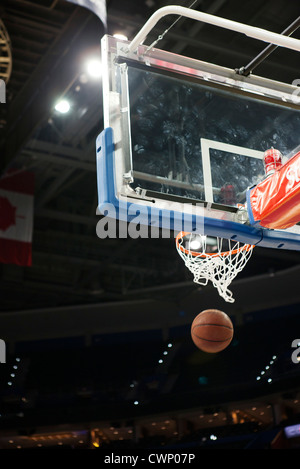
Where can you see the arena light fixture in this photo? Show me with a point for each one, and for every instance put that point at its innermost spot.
(94, 68)
(195, 243)
(62, 106)
(121, 36)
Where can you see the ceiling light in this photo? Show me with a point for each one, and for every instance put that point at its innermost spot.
(62, 106)
(195, 244)
(121, 36)
(94, 68)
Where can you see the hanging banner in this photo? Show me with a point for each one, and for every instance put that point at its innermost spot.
(96, 6)
(275, 202)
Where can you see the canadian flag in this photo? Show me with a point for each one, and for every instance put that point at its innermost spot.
(16, 217)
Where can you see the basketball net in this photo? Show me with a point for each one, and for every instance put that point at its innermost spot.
(220, 267)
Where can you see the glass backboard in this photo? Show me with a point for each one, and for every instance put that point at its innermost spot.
(187, 133)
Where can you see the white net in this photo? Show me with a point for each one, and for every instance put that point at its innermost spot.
(219, 267)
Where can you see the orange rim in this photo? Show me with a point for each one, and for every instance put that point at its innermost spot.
(182, 234)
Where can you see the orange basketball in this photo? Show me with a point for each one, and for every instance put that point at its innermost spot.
(212, 331)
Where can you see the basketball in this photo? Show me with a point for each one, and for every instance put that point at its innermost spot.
(212, 331)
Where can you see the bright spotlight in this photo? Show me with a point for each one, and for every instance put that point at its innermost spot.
(94, 68)
(62, 106)
(122, 37)
(195, 244)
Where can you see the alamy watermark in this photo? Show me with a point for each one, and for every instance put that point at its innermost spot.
(296, 353)
(2, 91)
(2, 351)
(130, 220)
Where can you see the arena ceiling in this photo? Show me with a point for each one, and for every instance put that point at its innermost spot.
(50, 42)
(72, 269)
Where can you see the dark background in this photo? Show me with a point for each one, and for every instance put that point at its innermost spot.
(88, 322)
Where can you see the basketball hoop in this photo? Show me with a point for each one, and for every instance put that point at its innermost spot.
(220, 266)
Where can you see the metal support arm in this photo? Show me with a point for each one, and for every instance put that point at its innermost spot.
(250, 31)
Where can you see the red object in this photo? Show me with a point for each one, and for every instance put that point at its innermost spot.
(275, 202)
(227, 194)
(16, 218)
(272, 161)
